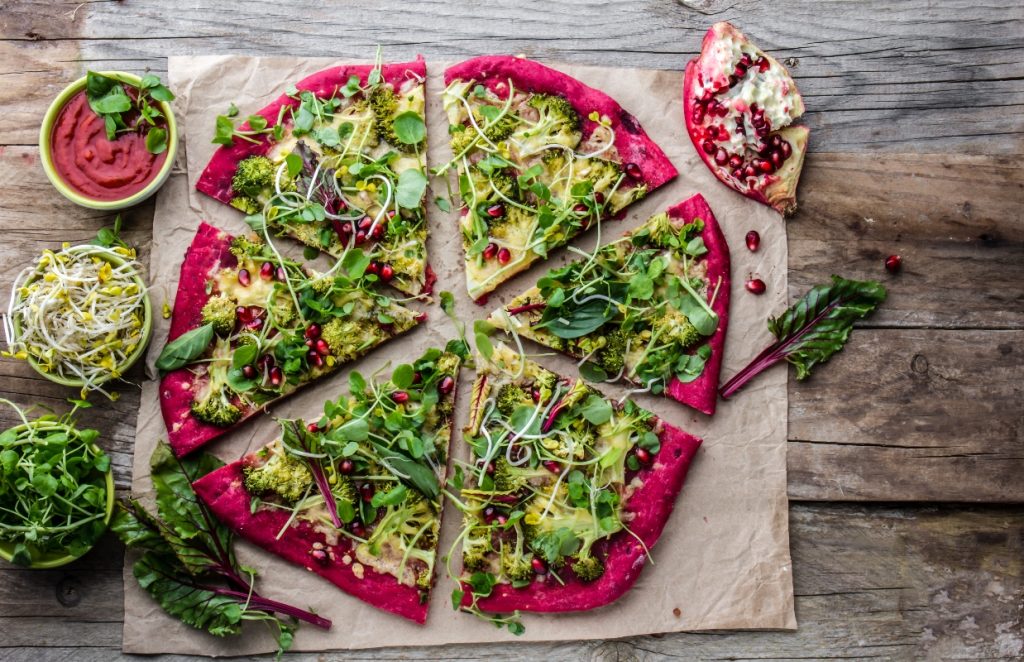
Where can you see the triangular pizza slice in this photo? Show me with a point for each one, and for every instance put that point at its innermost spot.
(338, 161)
(540, 157)
(249, 327)
(565, 493)
(379, 457)
(651, 308)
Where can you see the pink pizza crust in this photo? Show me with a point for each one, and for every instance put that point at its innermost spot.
(631, 141)
(216, 178)
(209, 252)
(702, 393)
(646, 512)
(224, 492)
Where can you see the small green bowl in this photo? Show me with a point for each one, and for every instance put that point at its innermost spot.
(133, 358)
(46, 130)
(56, 559)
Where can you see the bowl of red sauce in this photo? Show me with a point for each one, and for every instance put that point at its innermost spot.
(94, 170)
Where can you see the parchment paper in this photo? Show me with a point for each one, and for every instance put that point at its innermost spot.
(723, 561)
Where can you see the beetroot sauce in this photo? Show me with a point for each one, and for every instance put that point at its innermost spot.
(94, 166)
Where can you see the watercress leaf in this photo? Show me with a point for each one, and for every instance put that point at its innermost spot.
(402, 376)
(244, 355)
(351, 87)
(224, 131)
(356, 383)
(457, 595)
(443, 204)
(185, 348)
(597, 410)
(641, 287)
(293, 164)
(409, 128)
(355, 430)
(592, 372)
(156, 141)
(482, 583)
(392, 497)
(328, 136)
(695, 247)
(309, 253)
(412, 184)
(114, 101)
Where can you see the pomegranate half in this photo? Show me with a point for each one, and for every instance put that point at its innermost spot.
(739, 104)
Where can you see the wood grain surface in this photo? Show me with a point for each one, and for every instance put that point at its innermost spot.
(917, 117)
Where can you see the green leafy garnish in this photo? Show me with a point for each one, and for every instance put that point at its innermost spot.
(121, 113)
(813, 329)
(226, 132)
(185, 348)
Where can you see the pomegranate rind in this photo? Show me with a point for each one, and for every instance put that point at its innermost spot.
(702, 393)
(215, 180)
(778, 189)
(223, 491)
(647, 510)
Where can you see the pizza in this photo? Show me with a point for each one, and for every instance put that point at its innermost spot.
(338, 161)
(379, 456)
(565, 493)
(540, 157)
(249, 327)
(650, 308)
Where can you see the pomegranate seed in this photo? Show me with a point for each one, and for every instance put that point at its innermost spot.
(643, 456)
(256, 324)
(893, 264)
(777, 159)
(708, 145)
(313, 427)
(633, 170)
(315, 359)
(733, 79)
(365, 222)
(755, 286)
(282, 274)
(496, 211)
(243, 277)
(535, 394)
(322, 347)
(312, 331)
(740, 71)
(579, 208)
(766, 166)
(346, 228)
(248, 371)
(490, 251)
(552, 466)
(753, 241)
(366, 492)
(735, 161)
(786, 148)
(502, 520)
(762, 130)
(421, 317)
(400, 397)
(538, 565)
(776, 140)
(267, 271)
(378, 231)
(373, 267)
(417, 377)
(740, 129)
(737, 173)
(721, 157)
(346, 467)
(276, 376)
(446, 385)
(750, 171)
(762, 64)
(504, 255)
(243, 315)
(310, 342)
(357, 528)
(360, 237)
(723, 133)
(490, 512)
(746, 60)
(266, 361)
(697, 114)
(490, 469)
(599, 198)
(387, 272)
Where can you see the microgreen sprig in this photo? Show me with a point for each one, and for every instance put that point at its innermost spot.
(124, 113)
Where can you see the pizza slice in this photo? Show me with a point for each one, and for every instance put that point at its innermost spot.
(651, 308)
(565, 493)
(338, 161)
(540, 157)
(379, 457)
(249, 328)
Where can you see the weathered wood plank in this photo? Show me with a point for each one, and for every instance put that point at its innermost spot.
(915, 415)
(902, 583)
(913, 76)
(956, 220)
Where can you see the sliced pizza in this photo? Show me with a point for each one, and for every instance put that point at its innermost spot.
(651, 308)
(354, 497)
(540, 157)
(565, 494)
(249, 327)
(337, 161)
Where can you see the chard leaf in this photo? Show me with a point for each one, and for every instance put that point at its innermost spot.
(814, 328)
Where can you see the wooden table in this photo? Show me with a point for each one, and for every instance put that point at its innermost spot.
(906, 457)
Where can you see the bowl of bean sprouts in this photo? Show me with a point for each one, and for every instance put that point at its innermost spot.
(81, 316)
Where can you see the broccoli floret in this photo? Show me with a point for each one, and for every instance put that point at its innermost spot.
(512, 479)
(659, 231)
(516, 568)
(246, 246)
(253, 177)
(245, 204)
(344, 336)
(213, 404)
(384, 103)
(558, 123)
(286, 476)
(220, 312)
(511, 397)
(602, 174)
(676, 327)
(587, 568)
(612, 356)
(545, 381)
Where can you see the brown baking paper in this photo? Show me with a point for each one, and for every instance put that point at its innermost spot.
(723, 561)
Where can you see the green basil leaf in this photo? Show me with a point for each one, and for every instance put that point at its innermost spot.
(156, 141)
(185, 348)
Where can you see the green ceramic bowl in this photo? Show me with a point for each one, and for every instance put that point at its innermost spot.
(147, 329)
(74, 195)
(57, 559)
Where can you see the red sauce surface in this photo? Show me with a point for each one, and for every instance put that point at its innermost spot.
(94, 166)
